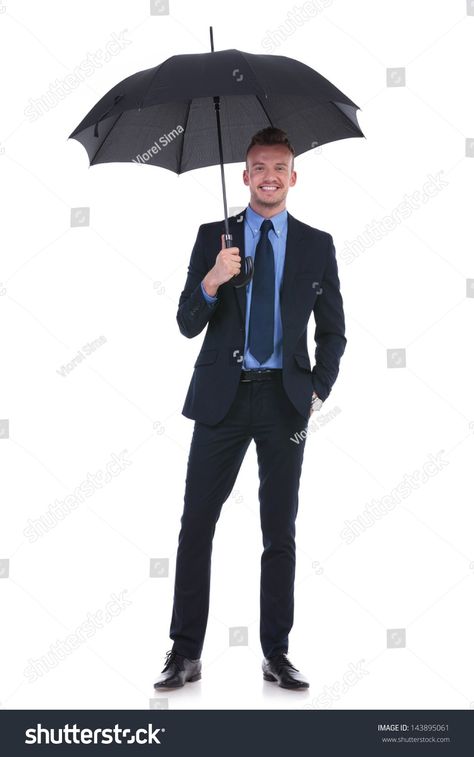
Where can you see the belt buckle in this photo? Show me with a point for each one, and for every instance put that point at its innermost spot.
(262, 374)
(258, 374)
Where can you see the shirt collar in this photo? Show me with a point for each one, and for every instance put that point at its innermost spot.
(254, 221)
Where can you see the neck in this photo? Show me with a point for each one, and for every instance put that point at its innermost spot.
(266, 212)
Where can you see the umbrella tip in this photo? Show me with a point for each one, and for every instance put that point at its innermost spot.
(211, 34)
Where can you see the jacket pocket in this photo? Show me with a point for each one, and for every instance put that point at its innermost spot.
(206, 357)
(303, 361)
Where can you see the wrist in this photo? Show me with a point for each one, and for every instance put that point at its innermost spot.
(210, 284)
(316, 402)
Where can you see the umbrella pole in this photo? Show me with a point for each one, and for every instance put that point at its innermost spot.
(227, 235)
(245, 275)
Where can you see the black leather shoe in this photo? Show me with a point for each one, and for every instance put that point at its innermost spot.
(279, 668)
(177, 671)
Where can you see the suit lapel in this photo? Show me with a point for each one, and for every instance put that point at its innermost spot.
(292, 264)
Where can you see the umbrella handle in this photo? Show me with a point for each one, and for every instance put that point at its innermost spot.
(244, 276)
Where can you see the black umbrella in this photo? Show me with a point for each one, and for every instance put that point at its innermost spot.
(167, 115)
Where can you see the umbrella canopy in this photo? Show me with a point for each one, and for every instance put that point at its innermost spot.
(165, 116)
(201, 109)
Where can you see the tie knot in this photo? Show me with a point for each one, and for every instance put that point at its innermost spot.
(266, 226)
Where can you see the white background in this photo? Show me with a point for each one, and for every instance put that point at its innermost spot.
(410, 569)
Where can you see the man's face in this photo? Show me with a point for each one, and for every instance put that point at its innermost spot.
(269, 176)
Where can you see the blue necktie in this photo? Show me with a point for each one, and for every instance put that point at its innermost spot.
(262, 306)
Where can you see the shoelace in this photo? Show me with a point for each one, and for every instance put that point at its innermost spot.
(173, 657)
(281, 661)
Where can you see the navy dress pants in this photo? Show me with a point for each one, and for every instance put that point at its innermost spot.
(260, 411)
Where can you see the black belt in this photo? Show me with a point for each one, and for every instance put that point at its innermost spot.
(261, 374)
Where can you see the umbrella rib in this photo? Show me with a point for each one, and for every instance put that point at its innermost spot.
(244, 56)
(106, 136)
(354, 126)
(264, 110)
(184, 137)
(142, 99)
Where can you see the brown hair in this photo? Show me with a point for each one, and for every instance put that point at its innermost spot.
(271, 136)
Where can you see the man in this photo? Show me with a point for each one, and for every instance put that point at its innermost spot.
(253, 380)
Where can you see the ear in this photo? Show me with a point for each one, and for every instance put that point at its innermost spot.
(245, 177)
(293, 178)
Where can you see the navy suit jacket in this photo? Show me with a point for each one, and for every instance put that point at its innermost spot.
(310, 284)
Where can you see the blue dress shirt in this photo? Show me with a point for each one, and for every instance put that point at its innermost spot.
(277, 237)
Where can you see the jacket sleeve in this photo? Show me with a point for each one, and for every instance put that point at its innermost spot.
(330, 328)
(194, 311)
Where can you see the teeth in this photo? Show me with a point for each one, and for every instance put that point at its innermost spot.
(269, 188)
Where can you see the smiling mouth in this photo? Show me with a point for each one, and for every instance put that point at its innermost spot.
(268, 187)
